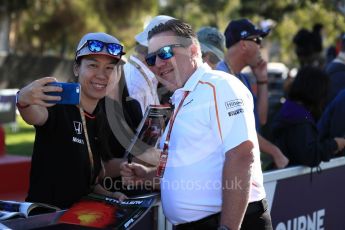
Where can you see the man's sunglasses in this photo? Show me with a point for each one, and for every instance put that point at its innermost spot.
(257, 40)
(96, 46)
(163, 53)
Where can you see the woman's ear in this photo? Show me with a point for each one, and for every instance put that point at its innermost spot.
(76, 69)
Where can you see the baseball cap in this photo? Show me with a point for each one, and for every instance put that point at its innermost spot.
(83, 50)
(141, 38)
(241, 29)
(211, 40)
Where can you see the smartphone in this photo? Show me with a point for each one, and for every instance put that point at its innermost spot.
(70, 94)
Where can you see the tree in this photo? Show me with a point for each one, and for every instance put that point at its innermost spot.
(125, 18)
(217, 9)
(8, 8)
(55, 26)
(200, 13)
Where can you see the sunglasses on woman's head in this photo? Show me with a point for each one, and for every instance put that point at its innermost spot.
(163, 53)
(257, 40)
(96, 46)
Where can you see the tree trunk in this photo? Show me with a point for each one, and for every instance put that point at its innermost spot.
(4, 31)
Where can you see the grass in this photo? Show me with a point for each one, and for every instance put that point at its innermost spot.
(19, 140)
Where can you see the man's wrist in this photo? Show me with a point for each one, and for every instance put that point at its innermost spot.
(263, 82)
(20, 106)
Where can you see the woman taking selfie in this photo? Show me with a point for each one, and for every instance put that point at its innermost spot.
(68, 153)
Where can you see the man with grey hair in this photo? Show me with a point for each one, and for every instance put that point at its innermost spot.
(209, 171)
(141, 82)
(212, 45)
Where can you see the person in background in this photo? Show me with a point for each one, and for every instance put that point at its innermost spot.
(211, 107)
(308, 46)
(141, 82)
(317, 33)
(294, 128)
(69, 149)
(336, 73)
(243, 43)
(331, 123)
(212, 43)
(333, 50)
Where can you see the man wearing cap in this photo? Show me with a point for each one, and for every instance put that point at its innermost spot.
(243, 41)
(141, 82)
(70, 141)
(212, 45)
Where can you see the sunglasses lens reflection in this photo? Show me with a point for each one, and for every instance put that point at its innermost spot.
(95, 46)
(163, 53)
(114, 49)
(257, 40)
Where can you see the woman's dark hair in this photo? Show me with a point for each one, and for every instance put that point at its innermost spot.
(104, 131)
(182, 30)
(76, 62)
(126, 114)
(310, 87)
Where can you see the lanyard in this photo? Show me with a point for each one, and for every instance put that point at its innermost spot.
(87, 143)
(89, 147)
(164, 153)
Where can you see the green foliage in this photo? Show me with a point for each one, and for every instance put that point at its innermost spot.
(55, 26)
(200, 13)
(20, 141)
(306, 17)
(124, 18)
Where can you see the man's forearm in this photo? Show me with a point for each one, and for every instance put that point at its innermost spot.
(262, 97)
(266, 146)
(236, 185)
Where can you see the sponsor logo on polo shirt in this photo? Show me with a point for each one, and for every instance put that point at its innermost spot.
(235, 112)
(233, 103)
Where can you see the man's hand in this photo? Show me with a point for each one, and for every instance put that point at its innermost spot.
(117, 195)
(280, 160)
(133, 174)
(267, 147)
(340, 143)
(260, 71)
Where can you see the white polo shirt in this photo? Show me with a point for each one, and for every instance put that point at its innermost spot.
(215, 117)
(142, 88)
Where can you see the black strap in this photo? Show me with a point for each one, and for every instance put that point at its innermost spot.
(256, 207)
